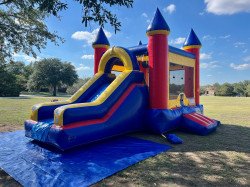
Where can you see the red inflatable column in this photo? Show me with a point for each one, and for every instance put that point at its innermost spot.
(193, 45)
(158, 71)
(100, 45)
(157, 33)
(99, 50)
(196, 51)
(189, 82)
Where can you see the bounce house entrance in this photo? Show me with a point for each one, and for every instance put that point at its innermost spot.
(181, 85)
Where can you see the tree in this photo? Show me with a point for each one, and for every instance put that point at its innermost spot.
(8, 84)
(51, 72)
(226, 89)
(216, 88)
(248, 90)
(21, 72)
(203, 90)
(75, 87)
(23, 28)
(239, 89)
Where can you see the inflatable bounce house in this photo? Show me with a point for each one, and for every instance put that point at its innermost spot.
(150, 87)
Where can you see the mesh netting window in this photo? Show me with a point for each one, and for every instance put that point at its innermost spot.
(181, 80)
(176, 83)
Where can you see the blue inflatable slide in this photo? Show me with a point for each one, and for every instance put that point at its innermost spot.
(105, 106)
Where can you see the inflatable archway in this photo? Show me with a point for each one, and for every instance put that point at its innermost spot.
(128, 60)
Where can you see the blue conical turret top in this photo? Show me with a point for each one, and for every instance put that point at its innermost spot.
(192, 40)
(101, 38)
(158, 23)
(140, 43)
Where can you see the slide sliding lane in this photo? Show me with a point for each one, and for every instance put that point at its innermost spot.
(119, 109)
(86, 93)
(68, 114)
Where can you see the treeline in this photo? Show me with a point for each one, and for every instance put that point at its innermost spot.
(241, 89)
(46, 75)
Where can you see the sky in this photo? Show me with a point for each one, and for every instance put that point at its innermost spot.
(223, 27)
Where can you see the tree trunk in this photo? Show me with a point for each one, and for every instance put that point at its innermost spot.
(54, 90)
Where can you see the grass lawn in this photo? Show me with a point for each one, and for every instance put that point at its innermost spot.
(14, 110)
(220, 159)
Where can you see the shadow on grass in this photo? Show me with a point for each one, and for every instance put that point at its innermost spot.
(226, 138)
(219, 159)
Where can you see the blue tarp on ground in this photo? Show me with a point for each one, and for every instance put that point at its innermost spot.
(32, 165)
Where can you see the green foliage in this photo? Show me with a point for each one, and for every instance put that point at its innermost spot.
(202, 90)
(75, 87)
(95, 10)
(9, 86)
(23, 28)
(51, 72)
(248, 90)
(226, 89)
(235, 89)
(175, 90)
(21, 72)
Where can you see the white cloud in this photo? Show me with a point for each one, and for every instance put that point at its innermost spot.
(148, 21)
(205, 56)
(225, 37)
(227, 7)
(144, 15)
(209, 75)
(88, 37)
(204, 65)
(177, 41)
(247, 59)
(201, 13)
(210, 65)
(240, 66)
(208, 37)
(26, 57)
(245, 50)
(170, 8)
(239, 44)
(83, 68)
(88, 57)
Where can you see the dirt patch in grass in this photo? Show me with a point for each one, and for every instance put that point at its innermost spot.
(10, 127)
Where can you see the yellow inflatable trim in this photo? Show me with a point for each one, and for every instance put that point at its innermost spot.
(117, 53)
(173, 103)
(150, 33)
(35, 108)
(58, 114)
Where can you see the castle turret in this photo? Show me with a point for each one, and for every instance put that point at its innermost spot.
(193, 45)
(157, 33)
(100, 45)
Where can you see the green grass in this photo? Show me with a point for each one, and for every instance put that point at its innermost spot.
(229, 110)
(220, 159)
(15, 110)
